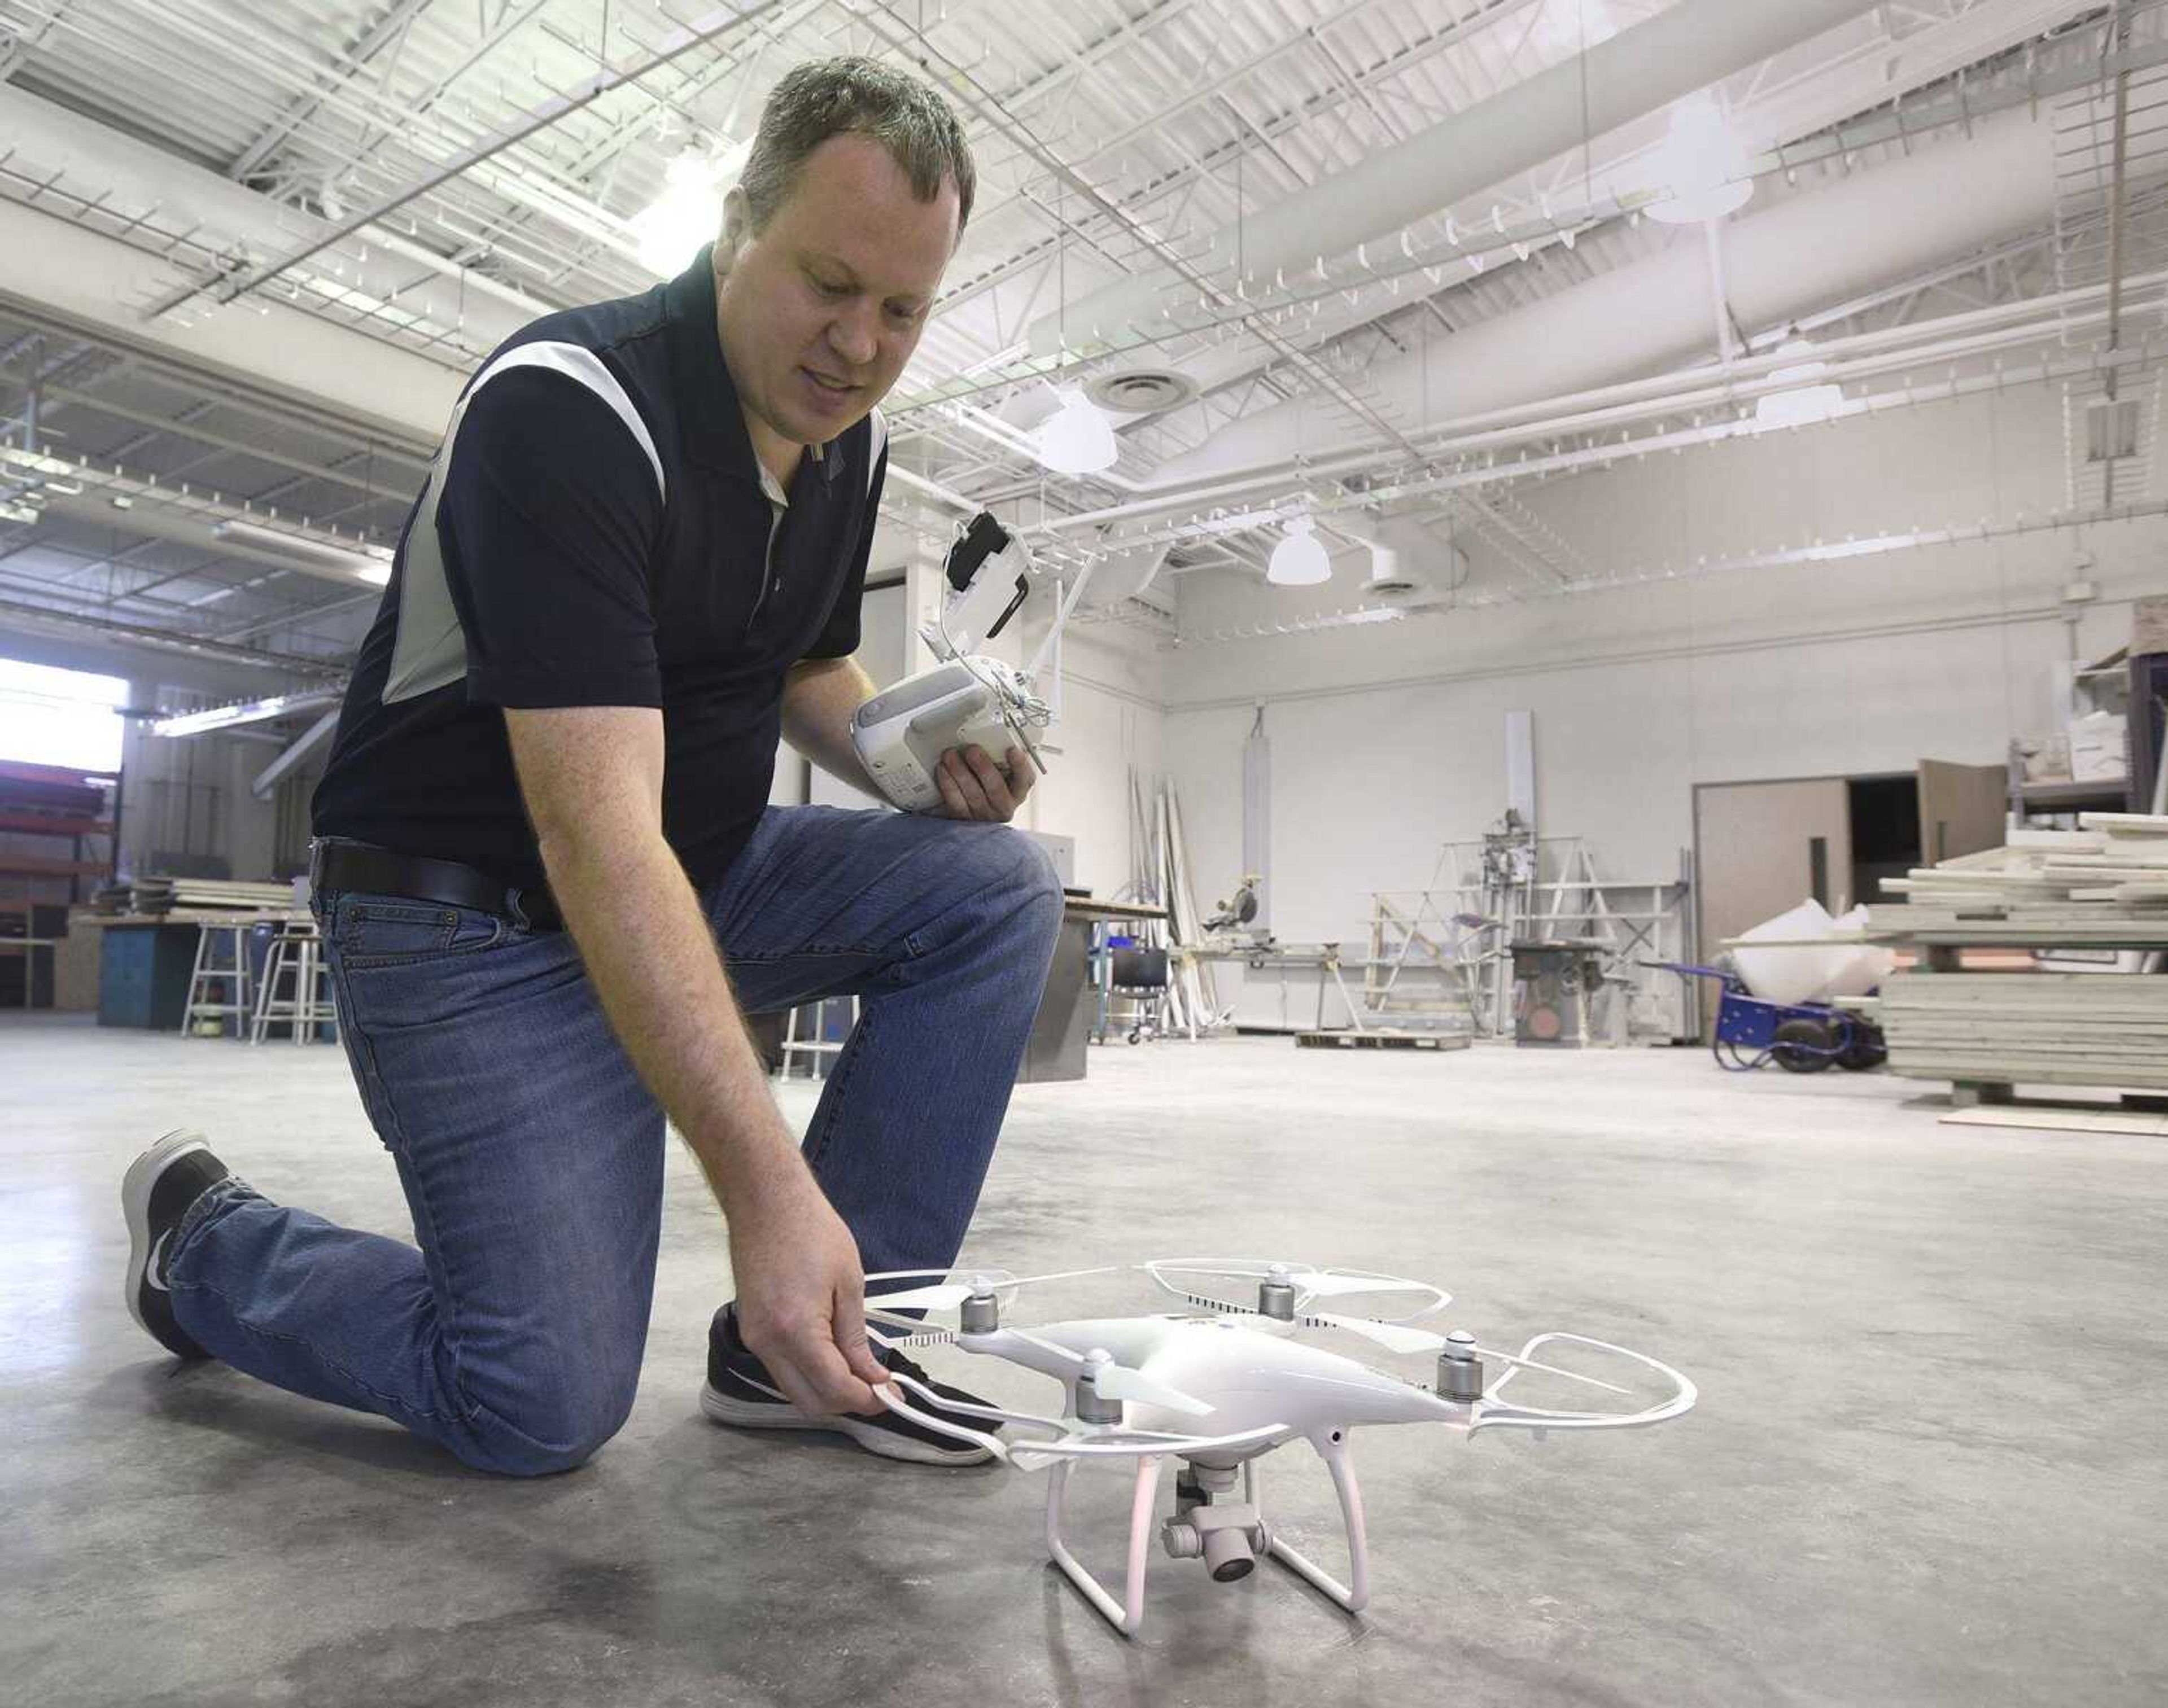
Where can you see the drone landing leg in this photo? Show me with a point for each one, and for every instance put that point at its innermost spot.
(1127, 1615)
(1355, 1594)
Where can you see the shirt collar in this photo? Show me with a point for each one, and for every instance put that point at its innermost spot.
(707, 398)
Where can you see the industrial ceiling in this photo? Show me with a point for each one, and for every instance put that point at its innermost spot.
(1391, 267)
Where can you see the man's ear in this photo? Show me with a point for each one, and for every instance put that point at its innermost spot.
(737, 229)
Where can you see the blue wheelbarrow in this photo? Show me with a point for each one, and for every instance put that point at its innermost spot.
(1801, 1037)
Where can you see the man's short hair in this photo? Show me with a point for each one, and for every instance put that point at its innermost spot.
(854, 96)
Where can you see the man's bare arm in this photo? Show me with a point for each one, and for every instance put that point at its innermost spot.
(593, 780)
(819, 696)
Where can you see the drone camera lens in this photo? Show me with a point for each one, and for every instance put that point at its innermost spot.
(1227, 1554)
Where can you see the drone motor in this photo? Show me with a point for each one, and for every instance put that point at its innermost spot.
(1093, 1407)
(981, 1310)
(1460, 1370)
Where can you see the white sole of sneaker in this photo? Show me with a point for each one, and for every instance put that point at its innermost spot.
(745, 1414)
(136, 1188)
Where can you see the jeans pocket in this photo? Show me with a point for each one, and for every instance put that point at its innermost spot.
(369, 932)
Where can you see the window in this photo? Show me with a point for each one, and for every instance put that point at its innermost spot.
(60, 717)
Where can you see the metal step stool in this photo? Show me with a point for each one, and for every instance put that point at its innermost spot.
(815, 1047)
(219, 985)
(297, 953)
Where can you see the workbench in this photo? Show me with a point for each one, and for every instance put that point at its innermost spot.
(1060, 1031)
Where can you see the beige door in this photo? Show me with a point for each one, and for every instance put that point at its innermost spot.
(1963, 809)
(1762, 848)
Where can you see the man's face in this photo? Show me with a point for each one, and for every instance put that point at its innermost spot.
(821, 310)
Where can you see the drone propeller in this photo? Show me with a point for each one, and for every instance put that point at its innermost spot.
(946, 1296)
(1115, 1380)
(1284, 1288)
(1332, 1283)
(1398, 1337)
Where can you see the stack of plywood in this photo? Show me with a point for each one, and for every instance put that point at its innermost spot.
(2103, 886)
(2027, 1028)
(162, 895)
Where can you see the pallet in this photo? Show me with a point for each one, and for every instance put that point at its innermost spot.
(1375, 1039)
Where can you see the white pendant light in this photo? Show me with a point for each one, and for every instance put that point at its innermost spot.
(1299, 559)
(1702, 165)
(1803, 404)
(1077, 438)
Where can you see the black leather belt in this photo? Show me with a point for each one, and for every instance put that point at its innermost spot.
(343, 866)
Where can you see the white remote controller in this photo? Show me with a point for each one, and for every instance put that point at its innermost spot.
(901, 734)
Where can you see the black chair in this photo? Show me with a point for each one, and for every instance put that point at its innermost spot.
(1140, 975)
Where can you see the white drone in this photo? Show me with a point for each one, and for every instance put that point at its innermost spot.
(1218, 1391)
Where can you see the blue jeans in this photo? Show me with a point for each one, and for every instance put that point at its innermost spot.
(532, 1154)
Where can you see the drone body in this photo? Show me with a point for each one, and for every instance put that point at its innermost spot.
(1250, 1378)
(1217, 1391)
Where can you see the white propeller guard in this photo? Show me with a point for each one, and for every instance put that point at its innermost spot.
(1490, 1413)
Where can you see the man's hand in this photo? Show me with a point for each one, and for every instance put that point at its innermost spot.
(802, 1295)
(973, 786)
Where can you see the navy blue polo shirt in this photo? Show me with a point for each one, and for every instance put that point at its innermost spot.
(602, 536)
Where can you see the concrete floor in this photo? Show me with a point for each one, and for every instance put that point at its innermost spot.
(1928, 1466)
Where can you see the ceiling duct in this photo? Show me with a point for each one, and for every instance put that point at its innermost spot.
(132, 178)
(1825, 244)
(1636, 73)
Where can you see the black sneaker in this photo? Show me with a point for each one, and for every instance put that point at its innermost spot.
(740, 1391)
(156, 1191)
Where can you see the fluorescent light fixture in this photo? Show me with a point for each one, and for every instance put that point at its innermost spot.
(1804, 403)
(1299, 559)
(253, 712)
(1077, 438)
(304, 551)
(1702, 164)
(689, 212)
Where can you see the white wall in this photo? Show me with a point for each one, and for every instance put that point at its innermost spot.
(1388, 739)
(1111, 726)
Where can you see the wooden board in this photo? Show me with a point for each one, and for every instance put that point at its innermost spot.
(2061, 1117)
